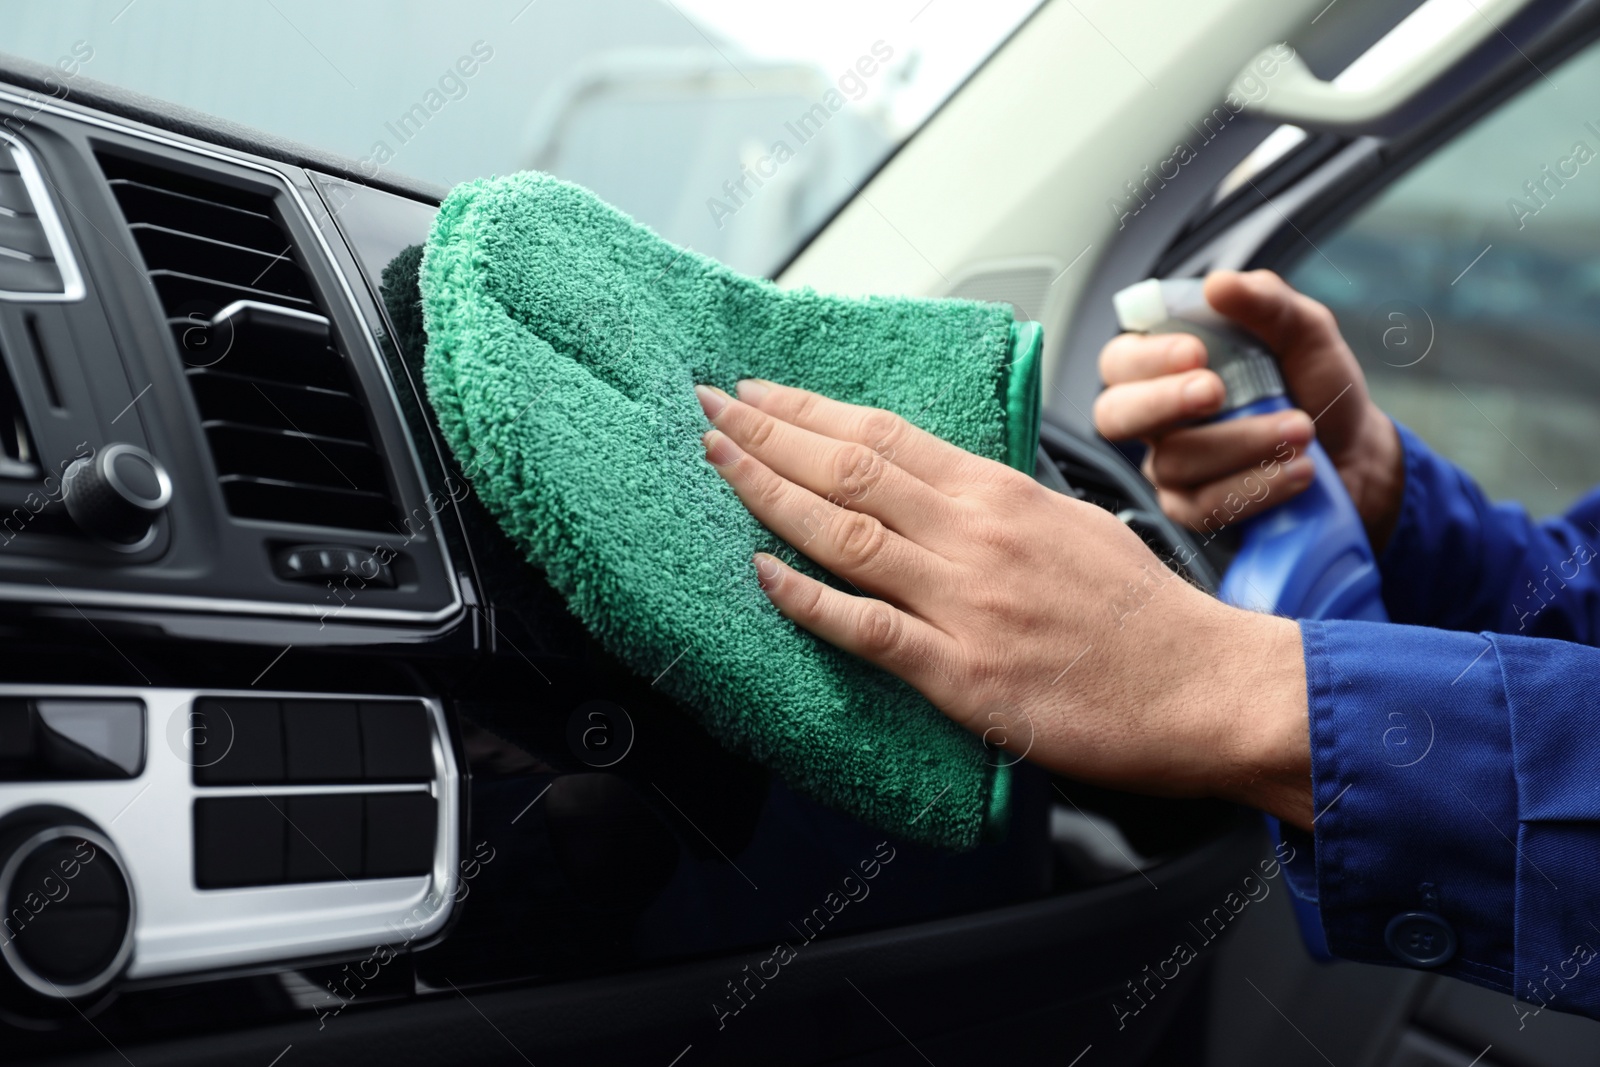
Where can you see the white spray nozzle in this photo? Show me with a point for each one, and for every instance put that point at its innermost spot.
(1143, 306)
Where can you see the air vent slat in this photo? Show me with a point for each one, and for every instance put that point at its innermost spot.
(194, 294)
(222, 261)
(232, 375)
(293, 456)
(288, 430)
(257, 352)
(178, 211)
(264, 498)
(259, 402)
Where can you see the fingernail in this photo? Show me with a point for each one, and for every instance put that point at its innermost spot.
(1200, 392)
(752, 390)
(768, 571)
(1295, 428)
(712, 400)
(720, 451)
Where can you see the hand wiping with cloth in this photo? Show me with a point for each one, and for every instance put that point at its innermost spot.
(1008, 605)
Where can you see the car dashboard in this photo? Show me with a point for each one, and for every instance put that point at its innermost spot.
(297, 750)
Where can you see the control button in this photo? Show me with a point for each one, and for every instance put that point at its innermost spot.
(69, 911)
(396, 743)
(333, 563)
(400, 833)
(1420, 938)
(108, 735)
(116, 495)
(322, 740)
(238, 841)
(324, 838)
(236, 742)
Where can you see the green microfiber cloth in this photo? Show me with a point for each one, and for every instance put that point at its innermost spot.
(564, 342)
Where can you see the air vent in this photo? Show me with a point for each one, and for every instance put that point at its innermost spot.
(1024, 284)
(288, 432)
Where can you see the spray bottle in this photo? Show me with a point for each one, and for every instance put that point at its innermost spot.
(1307, 558)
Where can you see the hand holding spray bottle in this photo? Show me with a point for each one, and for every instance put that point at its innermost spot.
(1307, 558)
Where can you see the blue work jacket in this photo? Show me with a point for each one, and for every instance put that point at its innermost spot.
(1455, 752)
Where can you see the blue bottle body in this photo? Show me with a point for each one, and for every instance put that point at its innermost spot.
(1306, 558)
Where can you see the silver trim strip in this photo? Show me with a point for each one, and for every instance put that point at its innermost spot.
(358, 788)
(276, 309)
(181, 929)
(55, 234)
(31, 593)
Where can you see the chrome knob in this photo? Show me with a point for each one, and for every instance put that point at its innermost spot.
(116, 495)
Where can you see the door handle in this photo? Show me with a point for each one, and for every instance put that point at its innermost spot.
(1399, 67)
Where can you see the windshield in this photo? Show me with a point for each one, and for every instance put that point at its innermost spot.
(731, 127)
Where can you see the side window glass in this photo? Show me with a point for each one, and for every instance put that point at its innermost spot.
(1470, 290)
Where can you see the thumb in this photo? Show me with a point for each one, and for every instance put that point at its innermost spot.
(1318, 366)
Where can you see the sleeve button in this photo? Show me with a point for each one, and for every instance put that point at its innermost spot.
(1420, 938)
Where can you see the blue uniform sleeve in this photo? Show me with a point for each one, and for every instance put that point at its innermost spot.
(1457, 806)
(1459, 562)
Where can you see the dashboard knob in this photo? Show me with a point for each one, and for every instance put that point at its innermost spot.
(69, 910)
(116, 495)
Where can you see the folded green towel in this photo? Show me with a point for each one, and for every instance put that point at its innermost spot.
(564, 342)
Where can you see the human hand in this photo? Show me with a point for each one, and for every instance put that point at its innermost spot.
(1038, 621)
(1157, 385)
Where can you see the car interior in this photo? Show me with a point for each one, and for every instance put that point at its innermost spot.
(338, 776)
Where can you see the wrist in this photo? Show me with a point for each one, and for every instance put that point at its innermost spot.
(1380, 478)
(1263, 752)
